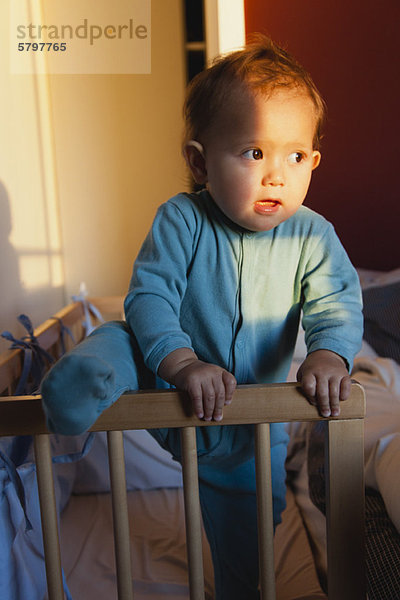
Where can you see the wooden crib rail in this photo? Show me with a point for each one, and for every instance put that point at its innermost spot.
(48, 336)
(270, 403)
(258, 404)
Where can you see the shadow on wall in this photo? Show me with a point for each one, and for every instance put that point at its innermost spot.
(38, 303)
(10, 285)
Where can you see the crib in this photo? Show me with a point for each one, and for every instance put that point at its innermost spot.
(255, 404)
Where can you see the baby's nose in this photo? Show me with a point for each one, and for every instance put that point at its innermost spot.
(273, 174)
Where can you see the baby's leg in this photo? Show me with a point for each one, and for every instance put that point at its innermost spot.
(89, 378)
(229, 508)
(228, 500)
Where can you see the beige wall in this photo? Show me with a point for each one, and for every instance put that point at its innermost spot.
(84, 162)
(31, 270)
(118, 157)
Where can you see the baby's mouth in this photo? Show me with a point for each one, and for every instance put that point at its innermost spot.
(270, 202)
(266, 206)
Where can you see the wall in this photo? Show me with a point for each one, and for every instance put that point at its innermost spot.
(118, 156)
(351, 50)
(84, 162)
(31, 266)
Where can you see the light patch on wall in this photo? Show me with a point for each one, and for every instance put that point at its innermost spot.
(56, 271)
(35, 233)
(225, 26)
(40, 271)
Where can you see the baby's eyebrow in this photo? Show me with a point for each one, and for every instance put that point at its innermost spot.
(248, 143)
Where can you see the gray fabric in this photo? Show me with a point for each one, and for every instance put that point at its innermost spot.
(382, 319)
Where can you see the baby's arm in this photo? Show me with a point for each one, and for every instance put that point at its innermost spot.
(209, 387)
(325, 381)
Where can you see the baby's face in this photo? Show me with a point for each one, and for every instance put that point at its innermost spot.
(259, 157)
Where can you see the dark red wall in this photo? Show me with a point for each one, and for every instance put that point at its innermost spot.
(352, 49)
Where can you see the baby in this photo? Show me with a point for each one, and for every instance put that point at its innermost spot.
(222, 280)
(237, 262)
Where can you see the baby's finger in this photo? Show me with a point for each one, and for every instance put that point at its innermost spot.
(196, 395)
(209, 397)
(219, 402)
(345, 386)
(309, 385)
(230, 386)
(334, 387)
(322, 395)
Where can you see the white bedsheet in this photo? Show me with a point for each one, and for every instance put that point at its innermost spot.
(382, 473)
(157, 546)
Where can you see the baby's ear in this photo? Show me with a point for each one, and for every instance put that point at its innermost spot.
(194, 155)
(316, 157)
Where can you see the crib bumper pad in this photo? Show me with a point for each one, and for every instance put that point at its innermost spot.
(89, 378)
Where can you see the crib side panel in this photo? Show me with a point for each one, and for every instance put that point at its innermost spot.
(51, 337)
(256, 404)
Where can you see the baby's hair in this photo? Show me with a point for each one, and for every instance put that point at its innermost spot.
(261, 67)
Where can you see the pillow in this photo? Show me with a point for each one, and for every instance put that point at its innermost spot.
(382, 319)
(381, 472)
(370, 278)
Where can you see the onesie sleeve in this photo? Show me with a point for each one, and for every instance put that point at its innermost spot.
(158, 285)
(332, 304)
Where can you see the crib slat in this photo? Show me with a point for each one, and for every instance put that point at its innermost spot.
(192, 512)
(120, 514)
(345, 510)
(264, 511)
(48, 513)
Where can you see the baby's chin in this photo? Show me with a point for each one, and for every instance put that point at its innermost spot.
(259, 221)
(258, 224)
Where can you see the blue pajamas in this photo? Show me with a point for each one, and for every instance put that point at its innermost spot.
(229, 508)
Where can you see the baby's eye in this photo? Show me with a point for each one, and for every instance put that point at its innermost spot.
(253, 154)
(296, 157)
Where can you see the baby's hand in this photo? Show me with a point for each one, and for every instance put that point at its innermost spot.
(209, 387)
(325, 381)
